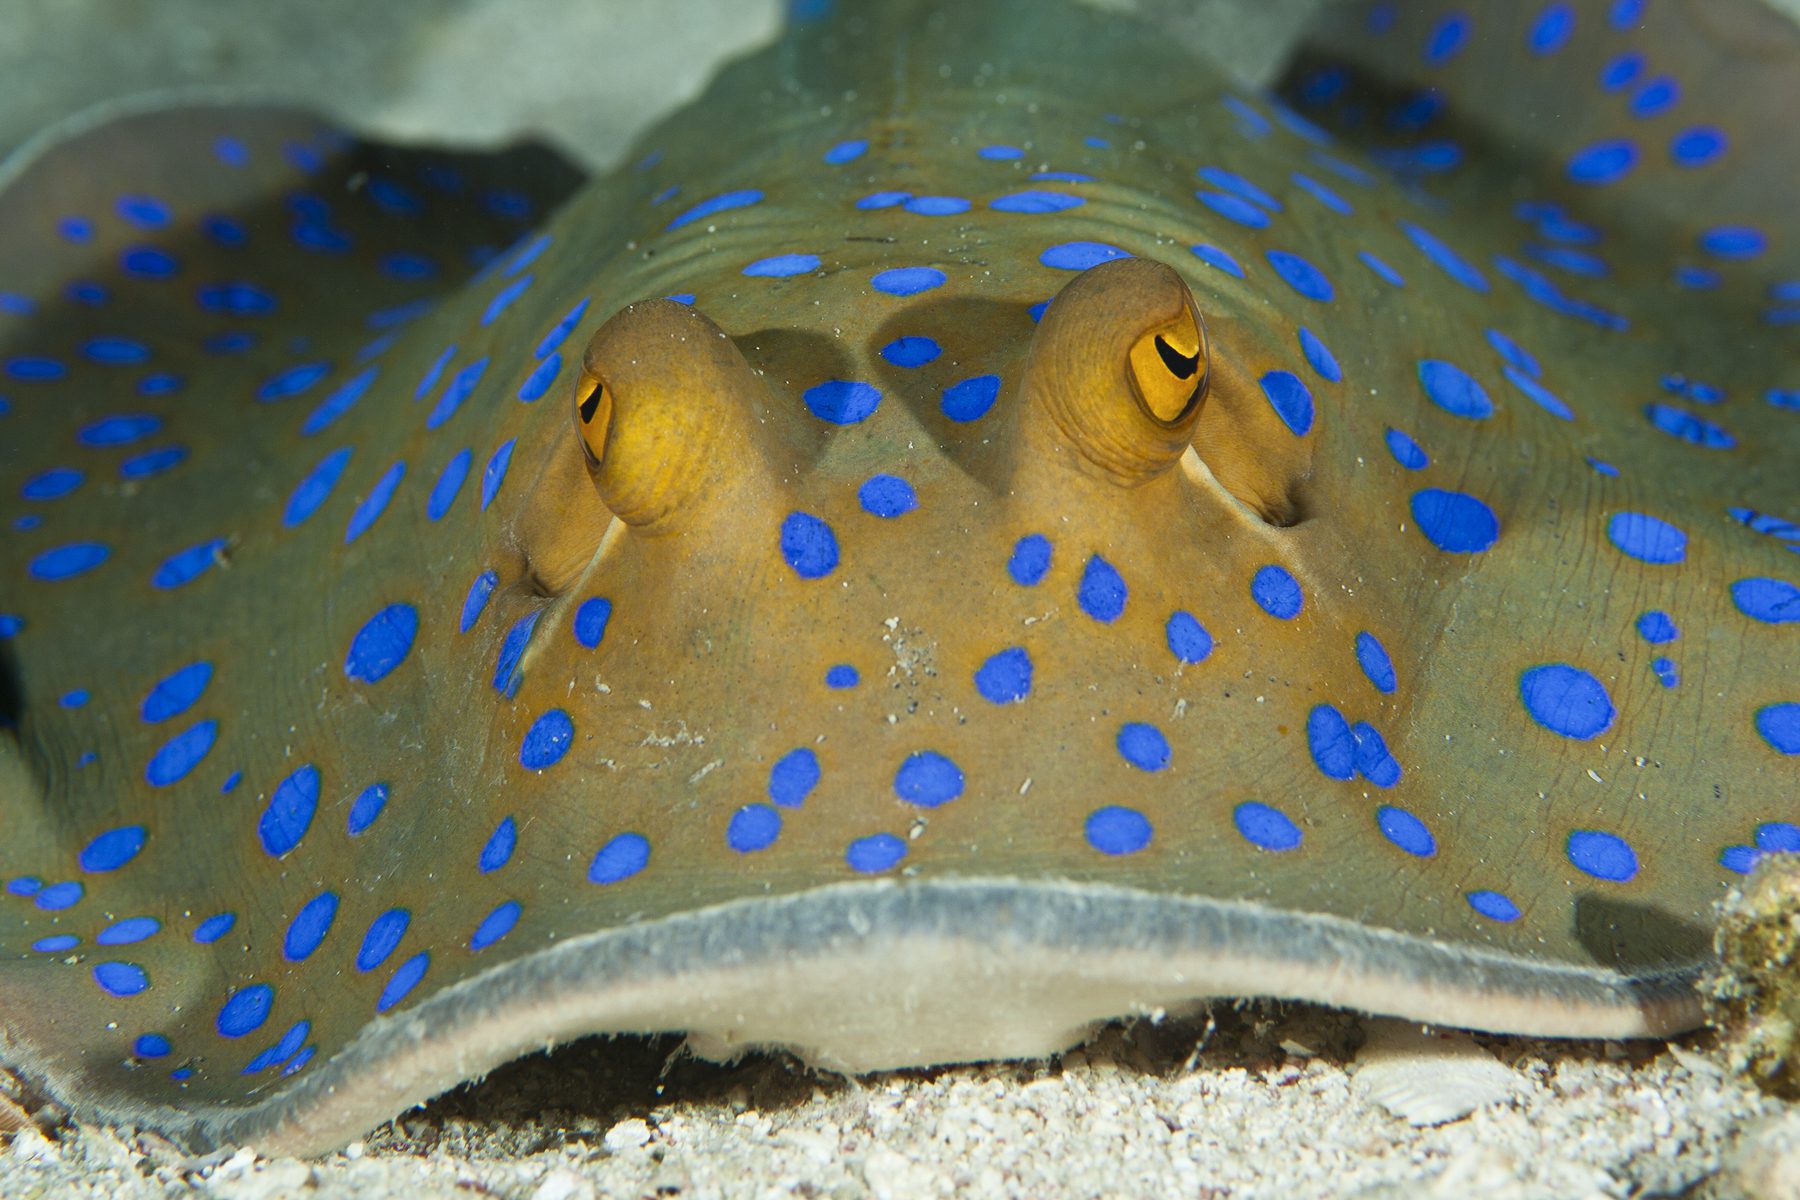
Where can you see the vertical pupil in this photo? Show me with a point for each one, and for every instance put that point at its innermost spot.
(1180, 365)
(591, 405)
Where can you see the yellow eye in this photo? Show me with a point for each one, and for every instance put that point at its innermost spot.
(593, 413)
(1168, 367)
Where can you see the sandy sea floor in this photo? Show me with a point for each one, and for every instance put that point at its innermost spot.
(1255, 1101)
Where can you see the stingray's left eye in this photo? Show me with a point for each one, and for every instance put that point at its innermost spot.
(593, 413)
(1168, 368)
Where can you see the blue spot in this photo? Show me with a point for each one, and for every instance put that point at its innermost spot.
(120, 430)
(1321, 359)
(1656, 628)
(1626, 13)
(289, 812)
(887, 496)
(309, 926)
(1772, 601)
(499, 848)
(547, 740)
(1455, 522)
(292, 381)
(512, 649)
(1603, 162)
(540, 379)
(907, 281)
(1666, 673)
(1212, 256)
(408, 266)
(1405, 831)
(1446, 259)
(875, 200)
(1101, 593)
(1300, 275)
(151, 1045)
(781, 266)
(1330, 742)
(455, 392)
(1656, 97)
(1549, 401)
(621, 858)
(842, 675)
(339, 402)
(1406, 452)
(1239, 186)
(1115, 829)
(842, 401)
(374, 504)
(1005, 677)
(1646, 538)
(793, 777)
(449, 483)
(1733, 241)
(383, 938)
(1454, 390)
(1566, 700)
(528, 254)
(717, 204)
(235, 299)
(1234, 208)
(937, 206)
(1382, 271)
(113, 849)
(1265, 827)
(382, 643)
(152, 462)
(10, 625)
(56, 943)
(1143, 746)
(1374, 762)
(115, 351)
(753, 827)
(75, 229)
(591, 619)
(1446, 40)
(969, 399)
(159, 385)
(1034, 201)
(146, 212)
(808, 545)
(1276, 592)
(496, 925)
(404, 980)
(1188, 640)
(1602, 855)
(495, 473)
(1493, 905)
(1778, 837)
(74, 699)
(1290, 399)
(245, 1010)
(1372, 656)
(187, 565)
(66, 562)
(59, 896)
(181, 754)
(433, 372)
(35, 369)
(1552, 28)
(174, 693)
(214, 928)
(928, 779)
(874, 854)
(1079, 256)
(316, 487)
(910, 351)
(121, 978)
(1697, 146)
(1688, 427)
(1779, 725)
(556, 336)
(52, 484)
(365, 808)
(1030, 560)
(1322, 194)
(845, 152)
(1000, 153)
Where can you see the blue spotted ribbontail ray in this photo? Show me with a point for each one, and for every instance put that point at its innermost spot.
(980, 528)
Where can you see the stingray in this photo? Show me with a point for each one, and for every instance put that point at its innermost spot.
(978, 529)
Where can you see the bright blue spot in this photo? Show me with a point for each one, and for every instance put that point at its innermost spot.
(1276, 592)
(1382, 271)
(1656, 628)
(969, 399)
(403, 981)
(1657, 96)
(753, 827)
(1552, 29)
(1373, 760)
(245, 1010)
(1626, 13)
(366, 807)
(842, 401)
(1291, 400)
(873, 854)
(547, 740)
(1033, 201)
(1447, 39)
(113, 849)
(1773, 601)
(1666, 673)
(433, 372)
(793, 776)
(1697, 146)
(496, 925)
(907, 281)
(1322, 194)
(152, 462)
(781, 266)
(717, 204)
(842, 675)
(1493, 905)
(1101, 593)
(115, 351)
(928, 779)
(1005, 677)
(1566, 700)
(1446, 259)
(1646, 538)
(455, 392)
(1778, 837)
(309, 926)
(1079, 256)
(1406, 452)
(1603, 468)
(59, 896)
(120, 978)
(383, 937)
(1143, 746)
(1030, 560)
(808, 545)
(449, 482)
(887, 496)
(77, 698)
(1234, 208)
(845, 152)
(1320, 358)
(151, 1045)
(374, 504)
(174, 693)
(339, 402)
(1514, 354)
(1602, 855)
(53, 484)
(1733, 241)
(591, 619)
(937, 206)
(911, 351)
(540, 379)
(1455, 522)
(495, 473)
(1115, 829)
(146, 212)
(1212, 256)
(1603, 162)
(186, 565)
(556, 336)
(181, 754)
(1454, 390)
(292, 381)
(56, 943)
(382, 643)
(499, 848)
(235, 299)
(1000, 153)
(289, 812)
(1187, 639)
(1300, 275)
(214, 927)
(1265, 827)
(35, 369)
(1329, 740)
(1689, 428)
(512, 649)
(527, 254)
(120, 430)
(621, 858)
(1779, 725)
(316, 487)
(1405, 831)
(875, 200)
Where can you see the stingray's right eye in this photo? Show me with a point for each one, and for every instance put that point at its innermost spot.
(593, 413)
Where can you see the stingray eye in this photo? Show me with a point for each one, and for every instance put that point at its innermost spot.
(593, 413)
(1168, 368)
